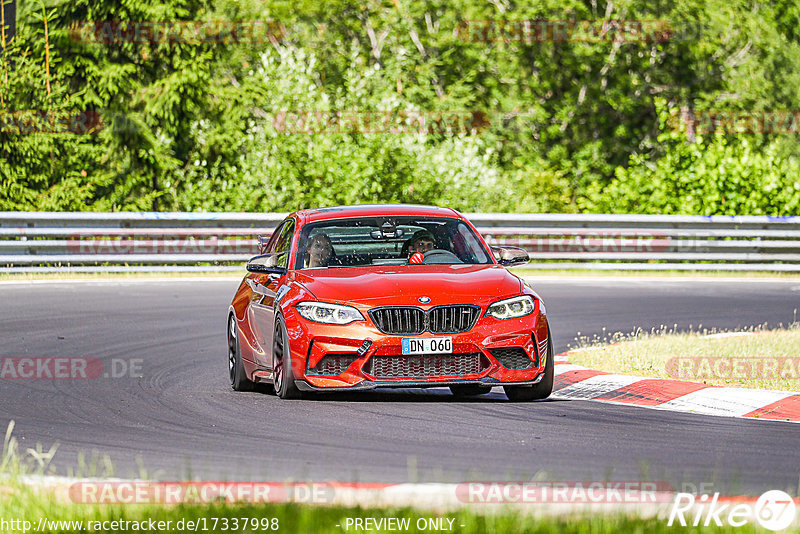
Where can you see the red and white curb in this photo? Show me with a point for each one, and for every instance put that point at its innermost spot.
(573, 382)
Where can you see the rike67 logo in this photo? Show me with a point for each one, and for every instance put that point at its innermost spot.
(774, 510)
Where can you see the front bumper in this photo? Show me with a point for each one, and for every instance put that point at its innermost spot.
(312, 343)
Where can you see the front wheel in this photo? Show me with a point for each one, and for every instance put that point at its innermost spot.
(538, 391)
(236, 372)
(282, 375)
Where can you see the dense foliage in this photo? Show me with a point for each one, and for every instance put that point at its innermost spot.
(248, 121)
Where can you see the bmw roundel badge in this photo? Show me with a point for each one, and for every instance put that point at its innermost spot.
(424, 300)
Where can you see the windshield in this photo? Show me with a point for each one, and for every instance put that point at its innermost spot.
(371, 241)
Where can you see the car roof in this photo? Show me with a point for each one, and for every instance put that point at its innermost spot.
(374, 210)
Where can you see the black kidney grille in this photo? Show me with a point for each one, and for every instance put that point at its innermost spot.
(427, 365)
(512, 357)
(333, 364)
(438, 320)
(399, 320)
(452, 319)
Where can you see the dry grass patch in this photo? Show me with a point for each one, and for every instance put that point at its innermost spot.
(757, 358)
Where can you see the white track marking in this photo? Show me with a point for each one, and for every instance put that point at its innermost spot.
(595, 386)
(727, 334)
(565, 367)
(724, 401)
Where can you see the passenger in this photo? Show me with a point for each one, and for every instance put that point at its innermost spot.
(422, 241)
(319, 251)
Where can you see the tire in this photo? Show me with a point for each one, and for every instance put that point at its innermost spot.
(543, 389)
(236, 372)
(470, 390)
(282, 376)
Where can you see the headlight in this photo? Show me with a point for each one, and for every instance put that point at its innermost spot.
(511, 308)
(325, 312)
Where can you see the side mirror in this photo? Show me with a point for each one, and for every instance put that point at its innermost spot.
(267, 263)
(509, 256)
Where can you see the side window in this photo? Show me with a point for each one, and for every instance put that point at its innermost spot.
(270, 246)
(467, 247)
(283, 241)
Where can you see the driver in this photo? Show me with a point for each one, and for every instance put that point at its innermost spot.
(422, 241)
(319, 251)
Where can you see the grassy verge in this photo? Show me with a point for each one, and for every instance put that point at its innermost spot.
(26, 508)
(763, 359)
(301, 519)
(21, 503)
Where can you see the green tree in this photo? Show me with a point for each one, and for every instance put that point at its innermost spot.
(724, 175)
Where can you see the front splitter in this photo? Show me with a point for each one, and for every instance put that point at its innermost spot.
(371, 384)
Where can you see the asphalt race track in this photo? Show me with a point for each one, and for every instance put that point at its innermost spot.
(180, 419)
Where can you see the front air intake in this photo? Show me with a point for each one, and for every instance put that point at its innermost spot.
(512, 358)
(425, 366)
(333, 364)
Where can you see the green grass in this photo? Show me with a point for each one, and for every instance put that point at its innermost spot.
(20, 502)
(307, 519)
(760, 355)
(30, 504)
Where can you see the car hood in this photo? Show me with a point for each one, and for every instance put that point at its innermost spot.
(404, 285)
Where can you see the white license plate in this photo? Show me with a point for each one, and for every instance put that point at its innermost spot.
(427, 345)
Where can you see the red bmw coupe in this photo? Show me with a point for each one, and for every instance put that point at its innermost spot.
(361, 297)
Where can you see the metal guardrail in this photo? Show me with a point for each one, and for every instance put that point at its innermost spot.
(157, 241)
